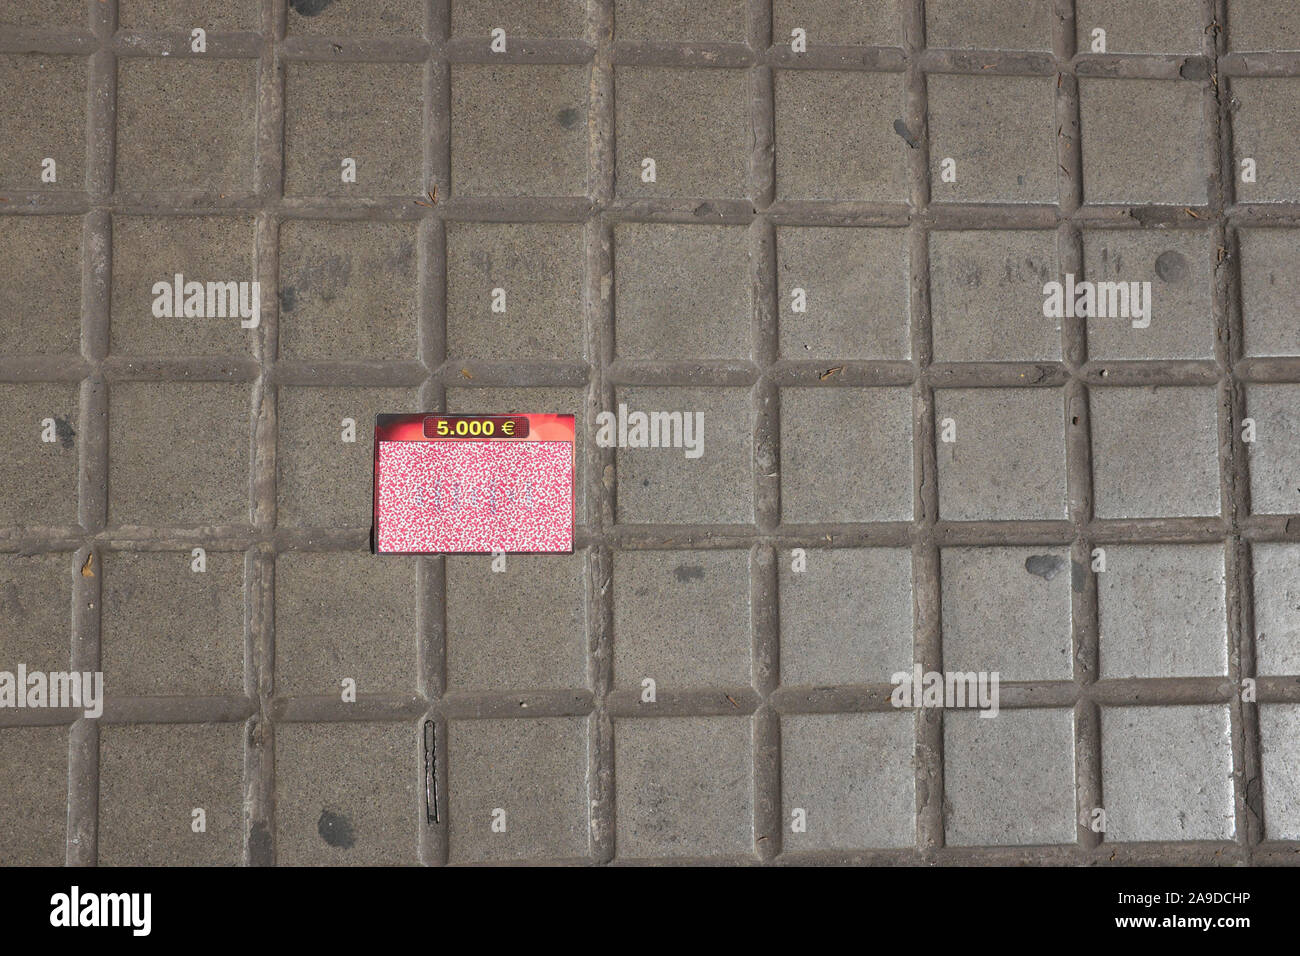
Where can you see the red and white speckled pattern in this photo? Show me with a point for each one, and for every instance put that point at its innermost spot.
(475, 496)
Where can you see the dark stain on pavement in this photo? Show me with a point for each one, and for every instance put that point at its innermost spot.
(1045, 566)
(688, 572)
(336, 829)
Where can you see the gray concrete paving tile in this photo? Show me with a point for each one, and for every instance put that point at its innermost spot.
(386, 18)
(1262, 109)
(1155, 452)
(225, 16)
(986, 296)
(1180, 266)
(680, 20)
(989, 25)
(558, 18)
(1007, 610)
(1009, 780)
(691, 123)
(41, 280)
(518, 789)
(35, 597)
(1154, 155)
(1263, 25)
(34, 803)
(839, 22)
(325, 481)
(1279, 732)
(1162, 611)
(1276, 593)
(681, 291)
(1000, 134)
(842, 293)
(1007, 456)
(1268, 291)
(169, 440)
(331, 117)
(39, 428)
(1167, 773)
(154, 777)
(856, 441)
(846, 617)
(148, 250)
(538, 313)
(684, 787)
(322, 602)
(519, 629)
(160, 149)
(835, 136)
(518, 130)
(681, 619)
(47, 122)
(346, 290)
(1275, 452)
(346, 794)
(172, 623)
(1163, 26)
(853, 777)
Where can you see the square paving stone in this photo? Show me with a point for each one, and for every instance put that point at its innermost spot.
(989, 24)
(368, 112)
(1009, 780)
(348, 290)
(1277, 607)
(1154, 154)
(1270, 288)
(1263, 109)
(566, 401)
(178, 453)
(39, 476)
(1263, 25)
(843, 293)
(684, 787)
(160, 147)
(518, 130)
(152, 777)
(539, 269)
(1162, 611)
(846, 454)
(41, 281)
(1163, 26)
(838, 22)
(1154, 452)
(986, 295)
(35, 609)
(518, 789)
(681, 618)
(1279, 741)
(168, 630)
(523, 628)
(835, 137)
(1179, 264)
(521, 18)
(722, 21)
(324, 481)
(663, 486)
(48, 121)
(694, 124)
(1167, 773)
(846, 618)
(373, 18)
(213, 251)
(322, 602)
(682, 291)
(1008, 459)
(346, 794)
(1007, 610)
(34, 803)
(224, 16)
(853, 776)
(42, 14)
(1001, 133)
(1275, 453)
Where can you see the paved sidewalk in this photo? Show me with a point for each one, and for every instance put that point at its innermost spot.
(829, 226)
